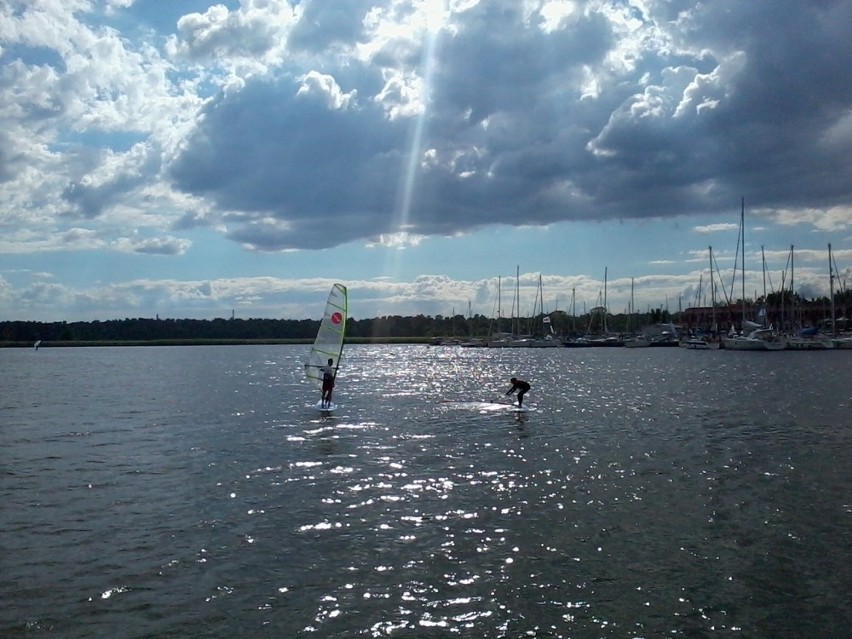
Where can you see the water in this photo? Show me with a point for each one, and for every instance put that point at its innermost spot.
(191, 492)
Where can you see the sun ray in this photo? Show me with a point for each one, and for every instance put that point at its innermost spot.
(430, 18)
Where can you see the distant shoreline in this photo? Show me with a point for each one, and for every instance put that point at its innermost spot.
(207, 342)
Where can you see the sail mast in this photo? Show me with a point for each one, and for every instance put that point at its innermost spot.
(574, 309)
(630, 310)
(742, 250)
(831, 292)
(793, 323)
(764, 308)
(516, 320)
(712, 292)
(604, 303)
(499, 309)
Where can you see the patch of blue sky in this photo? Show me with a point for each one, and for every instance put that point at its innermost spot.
(32, 55)
(72, 268)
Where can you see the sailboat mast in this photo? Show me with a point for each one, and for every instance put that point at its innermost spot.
(517, 304)
(499, 310)
(742, 249)
(792, 289)
(698, 292)
(540, 298)
(630, 311)
(573, 309)
(541, 294)
(765, 307)
(712, 291)
(831, 291)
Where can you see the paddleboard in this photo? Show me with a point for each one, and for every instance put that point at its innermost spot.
(487, 407)
(325, 409)
(480, 406)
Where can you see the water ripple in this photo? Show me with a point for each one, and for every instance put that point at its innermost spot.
(649, 494)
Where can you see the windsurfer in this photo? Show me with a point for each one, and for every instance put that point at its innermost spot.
(521, 386)
(328, 374)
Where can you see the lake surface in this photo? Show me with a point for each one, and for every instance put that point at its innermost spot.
(194, 492)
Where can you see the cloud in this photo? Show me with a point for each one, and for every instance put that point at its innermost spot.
(329, 26)
(681, 122)
(834, 219)
(253, 32)
(334, 113)
(299, 298)
(716, 228)
(153, 245)
(87, 118)
(318, 173)
(308, 125)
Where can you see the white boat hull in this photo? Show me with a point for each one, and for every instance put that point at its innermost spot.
(809, 343)
(760, 340)
(698, 344)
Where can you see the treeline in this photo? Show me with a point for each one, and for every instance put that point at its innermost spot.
(193, 330)
(144, 329)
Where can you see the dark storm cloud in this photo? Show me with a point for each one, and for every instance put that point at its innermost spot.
(786, 86)
(272, 152)
(685, 111)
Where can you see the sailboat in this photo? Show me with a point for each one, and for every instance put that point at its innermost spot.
(706, 340)
(513, 339)
(634, 339)
(837, 341)
(598, 335)
(802, 338)
(754, 336)
(546, 339)
(328, 344)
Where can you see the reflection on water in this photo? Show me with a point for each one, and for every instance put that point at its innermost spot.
(196, 492)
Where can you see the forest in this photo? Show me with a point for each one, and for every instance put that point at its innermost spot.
(228, 330)
(386, 328)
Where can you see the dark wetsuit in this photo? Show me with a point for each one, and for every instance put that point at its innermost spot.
(522, 387)
(327, 383)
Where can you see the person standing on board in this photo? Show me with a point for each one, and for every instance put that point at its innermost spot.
(328, 374)
(522, 387)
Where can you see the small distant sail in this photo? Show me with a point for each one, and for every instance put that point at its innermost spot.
(37, 344)
(329, 341)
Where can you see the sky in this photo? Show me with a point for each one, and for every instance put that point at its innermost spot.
(199, 160)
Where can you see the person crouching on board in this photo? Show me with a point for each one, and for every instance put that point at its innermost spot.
(327, 383)
(522, 387)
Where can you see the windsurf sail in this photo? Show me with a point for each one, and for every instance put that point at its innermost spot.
(329, 341)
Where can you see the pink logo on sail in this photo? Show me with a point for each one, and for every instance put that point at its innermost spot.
(336, 318)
